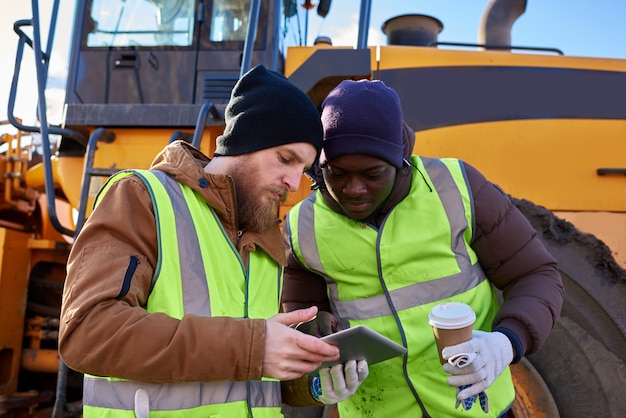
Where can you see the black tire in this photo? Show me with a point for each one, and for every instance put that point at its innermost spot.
(583, 361)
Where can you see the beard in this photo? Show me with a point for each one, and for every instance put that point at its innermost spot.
(256, 213)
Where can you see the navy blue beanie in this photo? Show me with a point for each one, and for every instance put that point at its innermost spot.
(362, 117)
(266, 110)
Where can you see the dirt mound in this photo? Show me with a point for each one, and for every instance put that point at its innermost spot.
(562, 232)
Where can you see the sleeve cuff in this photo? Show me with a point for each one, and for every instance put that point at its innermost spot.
(518, 351)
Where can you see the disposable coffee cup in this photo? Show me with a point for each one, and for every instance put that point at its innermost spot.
(452, 324)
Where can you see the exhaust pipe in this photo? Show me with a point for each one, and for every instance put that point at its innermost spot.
(412, 29)
(495, 26)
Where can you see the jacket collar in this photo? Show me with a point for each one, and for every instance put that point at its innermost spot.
(186, 164)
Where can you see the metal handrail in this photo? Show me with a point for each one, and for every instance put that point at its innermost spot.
(205, 110)
(364, 24)
(500, 47)
(42, 59)
(248, 46)
(100, 134)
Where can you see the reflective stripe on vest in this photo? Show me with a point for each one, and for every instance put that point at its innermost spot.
(190, 236)
(179, 396)
(389, 279)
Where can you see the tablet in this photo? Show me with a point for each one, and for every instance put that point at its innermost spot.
(361, 343)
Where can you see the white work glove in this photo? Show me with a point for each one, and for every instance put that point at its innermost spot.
(333, 386)
(488, 352)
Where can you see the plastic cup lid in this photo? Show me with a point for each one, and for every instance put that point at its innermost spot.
(451, 315)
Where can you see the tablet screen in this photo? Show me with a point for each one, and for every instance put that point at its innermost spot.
(361, 342)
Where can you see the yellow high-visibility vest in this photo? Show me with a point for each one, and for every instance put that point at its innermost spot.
(193, 281)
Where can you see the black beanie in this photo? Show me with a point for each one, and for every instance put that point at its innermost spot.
(266, 110)
(363, 117)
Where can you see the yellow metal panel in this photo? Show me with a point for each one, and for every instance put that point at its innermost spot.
(14, 265)
(550, 162)
(296, 55)
(35, 175)
(68, 174)
(395, 57)
(132, 148)
(136, 148)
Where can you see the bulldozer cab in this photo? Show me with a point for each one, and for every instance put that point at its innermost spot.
(145, 72)
(150, 52)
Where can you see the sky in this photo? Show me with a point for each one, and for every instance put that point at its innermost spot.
(576, 27)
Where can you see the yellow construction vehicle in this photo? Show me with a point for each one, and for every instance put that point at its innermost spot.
(549, 128)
